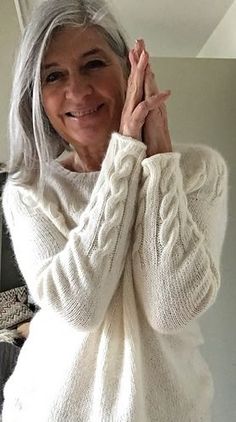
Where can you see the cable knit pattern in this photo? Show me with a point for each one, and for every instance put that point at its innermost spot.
(115, 205)
(180, 269)
(89, 253)
(121, 262)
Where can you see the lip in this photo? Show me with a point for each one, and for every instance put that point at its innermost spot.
(80, 113)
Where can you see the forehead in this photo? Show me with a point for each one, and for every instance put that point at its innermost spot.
(79, 39)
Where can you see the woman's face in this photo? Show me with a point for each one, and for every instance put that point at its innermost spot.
(83, 86)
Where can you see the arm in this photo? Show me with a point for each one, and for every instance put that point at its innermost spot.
(77, 276)
(179, 233)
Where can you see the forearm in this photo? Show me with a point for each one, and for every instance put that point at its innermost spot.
(174, 251)
(77, 276)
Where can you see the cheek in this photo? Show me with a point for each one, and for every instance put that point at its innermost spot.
(125, 86)
(118, 91)
(122, 87)
(50, 104)
(114, 84)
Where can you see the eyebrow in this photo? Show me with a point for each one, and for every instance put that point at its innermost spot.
(84, 55)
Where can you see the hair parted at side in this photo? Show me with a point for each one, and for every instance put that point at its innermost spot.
(33, 141)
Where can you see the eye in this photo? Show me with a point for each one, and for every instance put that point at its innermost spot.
(93, 64)
(52, 77)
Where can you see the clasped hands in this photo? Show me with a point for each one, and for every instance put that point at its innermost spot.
(144, 115)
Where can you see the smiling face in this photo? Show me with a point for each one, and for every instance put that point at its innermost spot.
(83, 87)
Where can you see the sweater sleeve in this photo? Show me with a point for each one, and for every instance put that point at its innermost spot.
(76, 275)
(179, 234)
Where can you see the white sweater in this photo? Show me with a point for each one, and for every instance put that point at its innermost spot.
(122, 263)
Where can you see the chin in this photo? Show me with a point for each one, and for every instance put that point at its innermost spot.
(91, 137)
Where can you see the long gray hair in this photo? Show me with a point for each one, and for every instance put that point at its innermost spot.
(33, 141)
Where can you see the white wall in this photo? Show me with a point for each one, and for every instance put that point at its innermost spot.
(9, 33)
(222, 42)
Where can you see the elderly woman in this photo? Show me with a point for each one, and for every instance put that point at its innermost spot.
(119, 239)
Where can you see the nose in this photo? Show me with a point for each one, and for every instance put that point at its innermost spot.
(77, 86)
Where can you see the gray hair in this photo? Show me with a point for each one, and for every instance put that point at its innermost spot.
(33, 141)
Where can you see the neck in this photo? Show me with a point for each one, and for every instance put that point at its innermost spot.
(88, 158)
(86, 163)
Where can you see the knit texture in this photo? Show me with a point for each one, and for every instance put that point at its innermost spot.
(122, 263)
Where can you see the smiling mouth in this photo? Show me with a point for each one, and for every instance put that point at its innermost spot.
(79, 114)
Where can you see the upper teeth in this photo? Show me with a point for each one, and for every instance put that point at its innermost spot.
(82, 113)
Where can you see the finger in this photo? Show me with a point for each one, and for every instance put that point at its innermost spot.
(135, 89)
(135, 59)
(140, 74)
(156, 87)
(139, 46)
(157, 100)
(137, 54)
(150, 86)
(139, 115)
(132, 59)
(143, 60)
(141, 111)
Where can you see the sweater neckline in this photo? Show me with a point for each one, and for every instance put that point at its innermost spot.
(73, 174)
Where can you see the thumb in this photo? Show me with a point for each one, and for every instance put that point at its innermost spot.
(150, 86)
(156, 100)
